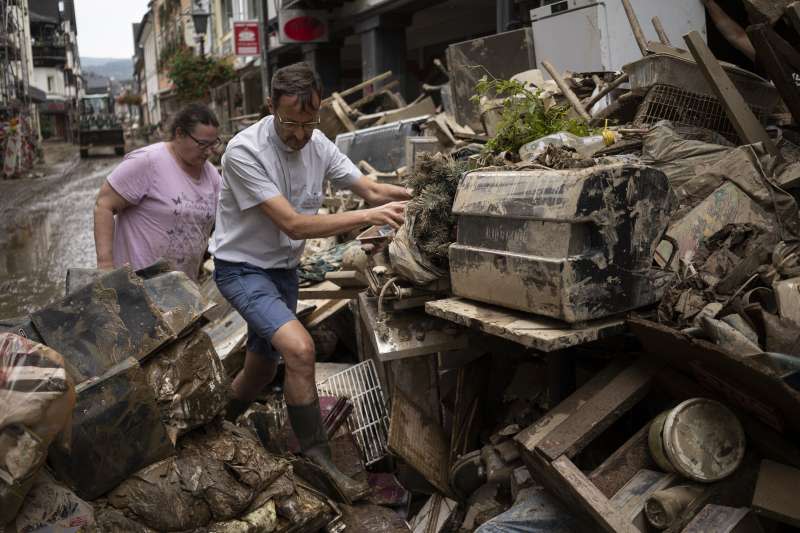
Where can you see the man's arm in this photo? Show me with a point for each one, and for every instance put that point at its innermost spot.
(379, 193)
(108, 203)
(298, 226)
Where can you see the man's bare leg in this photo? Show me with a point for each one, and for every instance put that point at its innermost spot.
(257, 373)
(302, 403)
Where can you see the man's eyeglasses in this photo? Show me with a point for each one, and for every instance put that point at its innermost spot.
(307, 126)
(206, 145)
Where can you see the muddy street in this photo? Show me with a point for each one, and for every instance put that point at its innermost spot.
(46, 227)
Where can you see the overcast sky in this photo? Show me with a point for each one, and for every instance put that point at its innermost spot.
(104, 26)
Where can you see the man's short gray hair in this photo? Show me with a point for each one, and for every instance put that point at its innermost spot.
(297, 79)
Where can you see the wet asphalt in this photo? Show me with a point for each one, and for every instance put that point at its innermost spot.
(46, 227)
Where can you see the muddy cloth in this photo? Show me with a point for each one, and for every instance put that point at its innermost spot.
(51, 506)
(312, 269)
(102, 324)
(36, 402)
(409, 261)
(305, 510)
(189, 382)
(218, 471)
(367, 518)
(107, 519)
(752, 171)
(724, 262)
(178, 298)
(535, 511)
(680, 153)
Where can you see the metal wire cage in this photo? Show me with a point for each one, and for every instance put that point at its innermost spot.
(369, 421)
(666, 102)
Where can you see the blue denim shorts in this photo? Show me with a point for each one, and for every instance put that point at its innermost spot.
(266, 299)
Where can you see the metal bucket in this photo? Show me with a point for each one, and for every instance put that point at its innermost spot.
(700, 439)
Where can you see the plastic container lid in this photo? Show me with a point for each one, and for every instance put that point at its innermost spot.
(703, 440)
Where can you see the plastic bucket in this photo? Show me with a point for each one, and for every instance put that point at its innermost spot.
(700, 439)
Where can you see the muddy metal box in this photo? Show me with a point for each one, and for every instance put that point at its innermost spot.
(574, 245)
(384, 146)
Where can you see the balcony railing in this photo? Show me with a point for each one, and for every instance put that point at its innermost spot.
(49, 53)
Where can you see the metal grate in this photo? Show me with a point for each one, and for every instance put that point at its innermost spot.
(665, 102)
(369, 421)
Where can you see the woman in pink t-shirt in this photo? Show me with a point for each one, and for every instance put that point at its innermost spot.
(164, 197)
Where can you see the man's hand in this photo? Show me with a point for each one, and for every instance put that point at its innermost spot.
(392, 214)
(379, 193)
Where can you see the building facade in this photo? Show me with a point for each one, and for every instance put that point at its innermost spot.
(56, 65)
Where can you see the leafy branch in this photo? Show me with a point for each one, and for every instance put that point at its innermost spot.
(523, 117)
(194, 76)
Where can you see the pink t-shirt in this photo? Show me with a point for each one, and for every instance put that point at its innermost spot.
(171, 215)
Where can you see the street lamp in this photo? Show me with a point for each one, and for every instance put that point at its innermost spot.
(200, 14)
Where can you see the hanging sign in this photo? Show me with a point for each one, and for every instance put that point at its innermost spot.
(245, 38)
(303, 26)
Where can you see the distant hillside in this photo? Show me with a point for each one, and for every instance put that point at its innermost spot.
(119, 69)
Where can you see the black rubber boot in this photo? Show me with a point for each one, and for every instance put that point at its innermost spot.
(307, 424)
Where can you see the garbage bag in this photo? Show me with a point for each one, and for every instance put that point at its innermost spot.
(681, 157)
(51, 506)
(218, 471)
(535, 511)
(409, 262)
(37, 399)
(190, 383)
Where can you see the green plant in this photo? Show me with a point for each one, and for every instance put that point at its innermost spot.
(523, 117)
(194, 76)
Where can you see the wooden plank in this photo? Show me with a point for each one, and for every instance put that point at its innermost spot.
(324, 311)
(775, 495)
(364, 84)
(566, 91)
(347, 279)
(662, 34)
(532, 331)
(419, 441)
(723, 518)
(531, 436)
(602, 409)
(564, 479)
(638, 34)
(776, 65)
(327, 290)
(744, 121)
(743, 383)
(620, 466)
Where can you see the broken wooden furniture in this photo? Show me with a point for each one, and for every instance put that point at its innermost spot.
(336, 115)
(549, 445)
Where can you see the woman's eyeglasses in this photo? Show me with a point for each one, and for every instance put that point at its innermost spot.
(206, 145)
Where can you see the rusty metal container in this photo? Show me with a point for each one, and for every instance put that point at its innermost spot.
(700, 439)
(574, 245)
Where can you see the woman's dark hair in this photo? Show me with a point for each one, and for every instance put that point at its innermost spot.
(298, 79)
(190, 116)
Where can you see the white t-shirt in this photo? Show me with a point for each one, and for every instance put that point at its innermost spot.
(258, 166)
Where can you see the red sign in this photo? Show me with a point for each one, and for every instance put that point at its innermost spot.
(245, 38)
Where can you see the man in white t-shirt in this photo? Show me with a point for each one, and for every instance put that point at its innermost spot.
(272, 188)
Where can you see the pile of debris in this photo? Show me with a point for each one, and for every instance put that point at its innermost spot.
(626, 246)
(588, 322)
